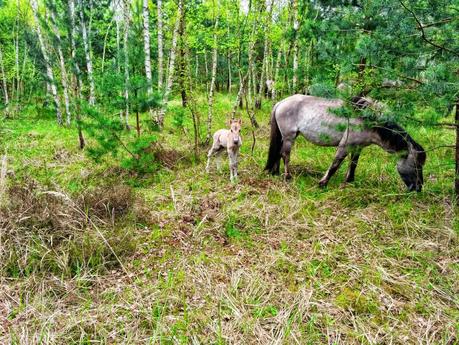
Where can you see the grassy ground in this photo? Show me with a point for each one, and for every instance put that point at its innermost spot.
(91, 254)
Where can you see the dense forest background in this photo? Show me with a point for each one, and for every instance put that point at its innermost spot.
(124, 56)
(111, 231)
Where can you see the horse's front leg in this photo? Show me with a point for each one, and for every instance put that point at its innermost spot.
(341, 153)
(232, 155)
(354, 160)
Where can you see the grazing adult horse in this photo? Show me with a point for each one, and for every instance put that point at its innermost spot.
(232, 141)
(312, 117)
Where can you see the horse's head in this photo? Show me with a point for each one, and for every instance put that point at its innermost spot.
(410, 167)
(235, 128)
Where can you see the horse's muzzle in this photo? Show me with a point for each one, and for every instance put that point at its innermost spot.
(236, 140)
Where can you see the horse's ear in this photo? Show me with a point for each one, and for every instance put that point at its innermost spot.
(240, 121)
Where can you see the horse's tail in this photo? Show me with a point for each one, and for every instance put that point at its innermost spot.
(275, 145)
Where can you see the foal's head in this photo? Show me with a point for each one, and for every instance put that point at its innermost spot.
(235, 128)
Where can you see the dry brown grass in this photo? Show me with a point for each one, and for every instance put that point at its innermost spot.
(194, 259)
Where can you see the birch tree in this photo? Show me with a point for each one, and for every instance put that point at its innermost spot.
(126, 61)
(146, 42)
(5, 87)
(264, 67)
(87, 53)
(295, 46)
(16, 55)
(77, 82)
(49, 70)
(62, 66)
(160, 45)
(170, 72)
(212, 81)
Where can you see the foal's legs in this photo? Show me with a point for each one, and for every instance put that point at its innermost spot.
(341, 153)
(354, 160)
(233, 155)
(212, 152)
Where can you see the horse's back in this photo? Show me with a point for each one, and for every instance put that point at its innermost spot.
(310, 116)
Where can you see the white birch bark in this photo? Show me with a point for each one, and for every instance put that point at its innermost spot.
(62, 68)
(77, 82)
(16, 51)
(212, 81)
(276, 74)
(126, 61)
(77, 73)
(264, 66)
(146, 42)
(49, 70)
(160, 46)
(170, 74)
(5, 87)
(295, 46)
(87, 53)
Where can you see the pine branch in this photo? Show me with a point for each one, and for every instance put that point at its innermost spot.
(423, 33)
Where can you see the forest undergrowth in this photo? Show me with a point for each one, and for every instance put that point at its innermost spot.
(90, 253)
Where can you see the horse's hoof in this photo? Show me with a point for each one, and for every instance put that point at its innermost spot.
(322, 183)
(288, 177)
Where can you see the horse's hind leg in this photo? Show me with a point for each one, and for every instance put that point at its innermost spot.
(341, 153)
(353, 164)
(285, 152)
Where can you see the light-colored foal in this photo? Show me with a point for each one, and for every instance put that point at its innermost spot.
(232, 141)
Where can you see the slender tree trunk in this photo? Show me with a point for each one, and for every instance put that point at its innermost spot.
(77, 83)
(160, 46)
(182, 63)
(238, 100)
(49, 70)
(207, 70)
(264, 65)
(5, 87)
(104, 49)
(126, 62)
(229, 73)
(295, 47)
(196, 71)
(276, 74)
(192, 101)
(146, 42)
(456, 181)
(24, 65)
(210, 100)
(16, 55)
(87, 53)
(251, 87)
(62, 68)
(170, 74)
(118, 58)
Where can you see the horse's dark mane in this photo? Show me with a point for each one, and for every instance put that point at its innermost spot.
(397, 139)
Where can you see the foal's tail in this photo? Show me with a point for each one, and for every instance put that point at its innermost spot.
(274, 154)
